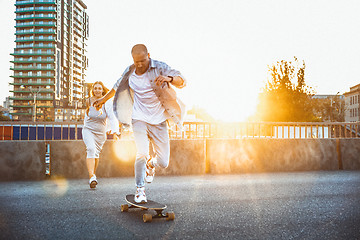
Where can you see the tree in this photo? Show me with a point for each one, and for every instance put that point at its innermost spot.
(286, 97)
(329, 109)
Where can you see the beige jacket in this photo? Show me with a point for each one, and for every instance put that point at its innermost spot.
(124, 96)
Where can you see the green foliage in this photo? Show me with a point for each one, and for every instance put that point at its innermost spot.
(331, 109)
(286, 97)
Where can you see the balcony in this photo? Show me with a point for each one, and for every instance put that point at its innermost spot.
(32, 45)
(33, 61)
(34, 17)
(44, 46)
(32, 68)
(36, 9)
(22, 113)
(29, 2)
(21, 106)
(77, 58)
(31, 106)
(32, 84)
(32, 31)
(80, 35)
(36, 24)
(31, 39)
(38, 98)
(78, 83)
(32, 54)
(33, 76)
(43, 90)
(18, 46)
(76, 64)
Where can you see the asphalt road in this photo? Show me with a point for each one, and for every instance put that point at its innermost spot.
(302, 205)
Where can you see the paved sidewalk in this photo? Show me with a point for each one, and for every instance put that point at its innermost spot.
(300, 205)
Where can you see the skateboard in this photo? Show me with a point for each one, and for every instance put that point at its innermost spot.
(150, 205)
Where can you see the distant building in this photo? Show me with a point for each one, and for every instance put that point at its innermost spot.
(329, 96)
(352, 99)
(87, 89)
(49, 59)
(4, 112)
(7, 103)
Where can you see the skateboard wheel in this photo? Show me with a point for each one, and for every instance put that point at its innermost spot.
(170, 216)
(147, 217)
(124, 207)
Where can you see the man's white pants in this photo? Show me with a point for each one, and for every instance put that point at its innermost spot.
(158, 135)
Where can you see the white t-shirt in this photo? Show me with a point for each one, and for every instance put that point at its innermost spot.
(147, 106)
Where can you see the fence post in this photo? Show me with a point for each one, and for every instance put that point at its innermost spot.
(338, 150)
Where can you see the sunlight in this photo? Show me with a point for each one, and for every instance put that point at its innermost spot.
(125, 151)
(232, 108)
(56, 187)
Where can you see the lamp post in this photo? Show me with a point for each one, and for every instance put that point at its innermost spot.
(76, 106)
(331, 107)
(34, 93)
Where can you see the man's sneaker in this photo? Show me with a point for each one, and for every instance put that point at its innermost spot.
(150, 171)
(93, 181)
(140, 196)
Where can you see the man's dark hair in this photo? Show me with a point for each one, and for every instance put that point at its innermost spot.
(139, 48)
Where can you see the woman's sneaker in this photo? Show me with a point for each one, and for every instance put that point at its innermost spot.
(93, 181)
(150, 171)
(140, 196)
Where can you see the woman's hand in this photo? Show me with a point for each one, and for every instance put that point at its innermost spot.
(116, 136)
(98, 103)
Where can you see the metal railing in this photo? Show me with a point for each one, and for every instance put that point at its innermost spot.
(40, 131)
(190, 130)
(194, 130)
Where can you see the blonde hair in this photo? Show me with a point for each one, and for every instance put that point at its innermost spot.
(105, 89)
(91, 93)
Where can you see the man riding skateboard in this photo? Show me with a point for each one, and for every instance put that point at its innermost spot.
(146, 85)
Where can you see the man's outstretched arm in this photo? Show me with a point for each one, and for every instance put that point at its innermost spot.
(99, 102)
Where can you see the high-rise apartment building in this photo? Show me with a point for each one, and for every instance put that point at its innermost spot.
(49, 59)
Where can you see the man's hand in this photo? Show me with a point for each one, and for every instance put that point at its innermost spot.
(161, 79)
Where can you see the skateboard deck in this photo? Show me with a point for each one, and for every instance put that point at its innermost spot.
(150, 205)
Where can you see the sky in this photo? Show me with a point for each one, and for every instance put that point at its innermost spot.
(222, 47)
